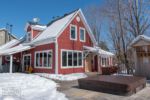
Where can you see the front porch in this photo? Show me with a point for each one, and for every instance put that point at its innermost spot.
(95, 58)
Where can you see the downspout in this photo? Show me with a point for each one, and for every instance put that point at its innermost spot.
(56, 56)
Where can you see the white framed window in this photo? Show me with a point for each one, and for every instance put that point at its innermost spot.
(43, 59)
(28, 38)
(73, 32)
(71, 58)
(82, 34)
(104, 61)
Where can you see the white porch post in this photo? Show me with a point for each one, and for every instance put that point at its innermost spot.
(11, 63)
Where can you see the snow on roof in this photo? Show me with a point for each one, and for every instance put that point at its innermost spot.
(15, 49)
(140, 37)
(105, 53)
(39, 27)
(54, 29)
(9, 44)
(98, 50)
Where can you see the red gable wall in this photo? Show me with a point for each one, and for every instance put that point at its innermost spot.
(35, 33)
(64, 42)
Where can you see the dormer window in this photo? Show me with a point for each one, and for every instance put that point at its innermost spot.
(28, 36)
(82, 34)
(73, 32)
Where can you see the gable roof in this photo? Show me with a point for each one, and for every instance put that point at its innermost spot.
(140, 37)
(56, 27)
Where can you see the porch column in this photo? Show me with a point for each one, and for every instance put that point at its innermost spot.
(11, 63)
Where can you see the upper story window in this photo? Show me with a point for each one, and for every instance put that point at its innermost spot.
(28, 36)
(73, 32)
(82, 34)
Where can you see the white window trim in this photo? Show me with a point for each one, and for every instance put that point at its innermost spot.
(75, 32)
(84, 34)
(43, 67)
(67, 67)
(30, 58)
(106, 61)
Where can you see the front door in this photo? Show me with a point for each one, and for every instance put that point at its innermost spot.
(95, 65)
(26, 62)
(88, 63)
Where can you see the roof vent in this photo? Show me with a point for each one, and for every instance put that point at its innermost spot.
(36, 20)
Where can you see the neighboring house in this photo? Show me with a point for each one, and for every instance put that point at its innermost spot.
(140, 47)
(5, 36)
(66, 45)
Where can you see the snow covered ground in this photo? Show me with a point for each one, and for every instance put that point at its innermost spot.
(18, 86)
(67, 77)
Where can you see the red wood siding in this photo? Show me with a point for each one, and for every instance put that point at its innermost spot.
(64, 42)
(35, 33)
(42, 48)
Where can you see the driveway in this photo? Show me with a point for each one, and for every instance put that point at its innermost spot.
(74, 93)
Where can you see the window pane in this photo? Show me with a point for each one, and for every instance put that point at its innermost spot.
(49, 59)
(75, 58)
(82, 33)
(73, 34)
(64, 58)
(40, 62)
(45, 59)
(80, 59)
(70, 58)
(37, 59)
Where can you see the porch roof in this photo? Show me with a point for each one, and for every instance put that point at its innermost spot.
(98, 50)
(9, 44)
(15, 49)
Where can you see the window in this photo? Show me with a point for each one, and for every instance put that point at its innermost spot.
(82, 34)
(72, 59)
(64, 58)
(29, 36)
(73, 32)
(43, 59)
(105, 61)
(75, 59)
(80, 59)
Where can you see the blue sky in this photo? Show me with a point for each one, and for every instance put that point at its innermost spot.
(18, 12)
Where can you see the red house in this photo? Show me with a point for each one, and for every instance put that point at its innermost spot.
(65, 45)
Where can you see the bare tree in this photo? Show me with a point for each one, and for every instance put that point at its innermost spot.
(94, 17)
(137, 18)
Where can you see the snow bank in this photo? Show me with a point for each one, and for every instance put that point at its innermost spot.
(28, 87)
(68, 77)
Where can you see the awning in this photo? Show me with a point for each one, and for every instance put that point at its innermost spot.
(92, 49)
(104, 53)
(15, 49)
(98, 50)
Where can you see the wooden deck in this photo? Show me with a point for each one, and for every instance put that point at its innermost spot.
(121, 85)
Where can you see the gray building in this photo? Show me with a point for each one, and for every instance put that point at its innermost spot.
(5, 36)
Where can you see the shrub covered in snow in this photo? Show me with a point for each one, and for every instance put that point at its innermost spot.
(28, 87)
